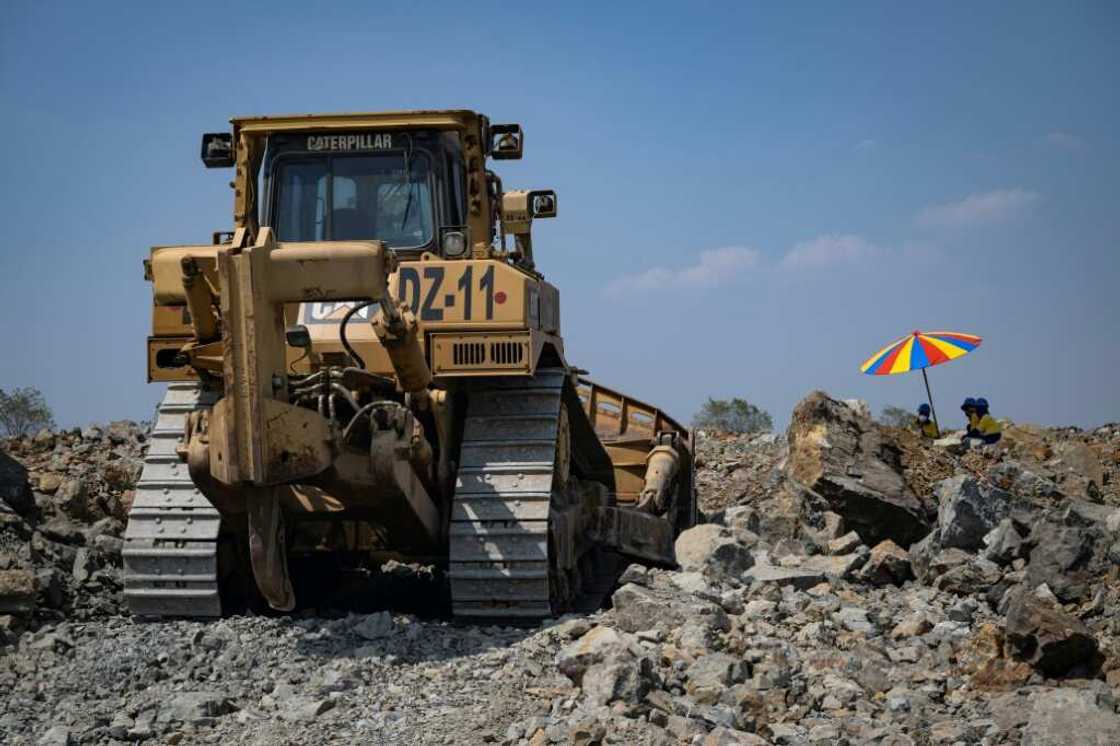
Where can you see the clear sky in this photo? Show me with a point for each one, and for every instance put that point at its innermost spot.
(753, 198)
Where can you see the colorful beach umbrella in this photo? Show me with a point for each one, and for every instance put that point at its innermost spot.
(918, 351)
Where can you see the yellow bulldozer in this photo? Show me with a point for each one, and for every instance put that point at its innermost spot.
(370, 366)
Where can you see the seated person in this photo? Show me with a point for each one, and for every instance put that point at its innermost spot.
(926, 426)
(986, 427)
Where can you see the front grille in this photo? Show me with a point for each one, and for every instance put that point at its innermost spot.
(507, 353)
(482, 352)
(468, 353)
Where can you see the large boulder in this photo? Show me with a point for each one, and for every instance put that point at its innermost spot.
(929, 560)
(921, 557)
(1074, 716)
(889, 564)
(973, 576)
(708, 677)
(1003, 544)
(713, 548)
(1051, 640)
(968, 511)
(638, 608)
(1070, 551)
(599, 645)
(625, 681)
(838, 453)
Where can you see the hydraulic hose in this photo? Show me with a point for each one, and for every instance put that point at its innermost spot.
(342, 332)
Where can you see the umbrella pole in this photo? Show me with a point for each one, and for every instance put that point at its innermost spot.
(929, 396)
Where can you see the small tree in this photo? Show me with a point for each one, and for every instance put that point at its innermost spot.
(893, 416)
(23, 411)
(732, 416)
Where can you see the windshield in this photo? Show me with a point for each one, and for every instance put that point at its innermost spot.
(348, 197)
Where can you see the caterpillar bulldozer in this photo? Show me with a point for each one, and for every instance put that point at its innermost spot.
(370, 366)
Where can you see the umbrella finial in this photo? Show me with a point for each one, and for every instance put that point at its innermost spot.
(917, 333)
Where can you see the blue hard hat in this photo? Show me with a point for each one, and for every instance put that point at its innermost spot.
(923, 408)
(981, 403)
(969, 403)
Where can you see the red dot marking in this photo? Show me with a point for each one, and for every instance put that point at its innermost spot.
(499, 297)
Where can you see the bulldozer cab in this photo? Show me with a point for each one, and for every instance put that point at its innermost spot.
(415, 180)
(406, 188)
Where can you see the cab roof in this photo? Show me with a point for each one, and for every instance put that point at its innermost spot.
(430, 119)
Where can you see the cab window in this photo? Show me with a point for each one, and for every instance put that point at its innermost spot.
(355, 197)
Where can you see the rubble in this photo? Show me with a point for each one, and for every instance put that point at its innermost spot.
(67, 533)
(854, 584)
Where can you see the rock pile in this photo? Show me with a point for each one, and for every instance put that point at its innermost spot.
(734, 469)
(827, 652)
(853, 589)
(64, 499)
(851, 585)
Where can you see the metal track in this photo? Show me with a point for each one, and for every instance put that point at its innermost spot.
(499, 555)
(171, 543)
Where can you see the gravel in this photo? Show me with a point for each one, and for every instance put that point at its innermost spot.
(790, 631)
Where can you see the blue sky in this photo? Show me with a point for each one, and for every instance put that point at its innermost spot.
(753, 198)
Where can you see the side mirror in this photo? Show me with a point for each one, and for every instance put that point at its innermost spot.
(217, 150)
(507, 142)
(298, 336)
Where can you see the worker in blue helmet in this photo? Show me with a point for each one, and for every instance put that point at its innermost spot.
(987, 428)
(969, 409)
(926, 426)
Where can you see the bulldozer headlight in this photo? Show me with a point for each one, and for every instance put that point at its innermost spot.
(217, 150)
(453, 242)
(507, 142)
(542, 203)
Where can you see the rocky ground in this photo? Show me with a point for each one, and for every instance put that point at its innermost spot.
(852, 584)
